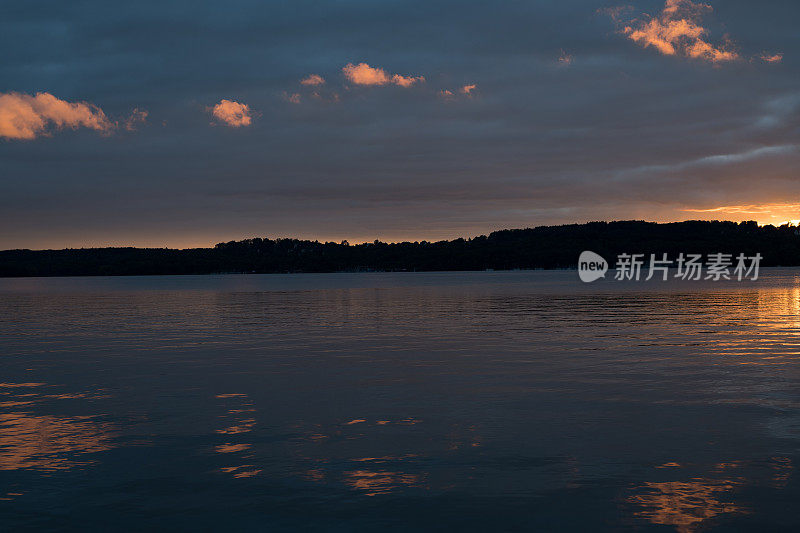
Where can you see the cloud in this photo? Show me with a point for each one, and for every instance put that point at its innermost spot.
(677, 31)
(363, 74)
(772, 58)
(234, 114)
(717, 160)
(452, 94)
(565, 59)
(407, 81)
(778, 110)
(294, 98)
(464, 91)
(755, 209)
(23, 116)
(700, 49)
(137, 116)
(313, 79)
(770, 213)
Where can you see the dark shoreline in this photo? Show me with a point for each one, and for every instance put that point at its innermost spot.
(540, 248)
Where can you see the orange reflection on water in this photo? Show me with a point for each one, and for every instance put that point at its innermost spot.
(240, 471)
(71, 396)
(6, 405)
(685, 504)
(410, 421)
(385, 458)
(231, 448)
(244, 427)
(49, 442)
(315, 474)
(782, 468)
(246, 473)
(237, 426)
(374, 483)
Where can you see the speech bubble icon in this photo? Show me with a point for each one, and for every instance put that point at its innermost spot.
(591, 267)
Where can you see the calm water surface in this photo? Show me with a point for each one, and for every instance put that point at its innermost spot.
(520, 401)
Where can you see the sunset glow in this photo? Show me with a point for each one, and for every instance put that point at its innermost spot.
(660, 111)
(427, 266)
(775, 214)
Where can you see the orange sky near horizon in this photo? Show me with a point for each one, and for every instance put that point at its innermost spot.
(763, 214)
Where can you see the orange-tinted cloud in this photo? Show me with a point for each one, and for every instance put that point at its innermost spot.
(23, 116)
(137, 116)
(313, 79)
(464, 91)
(233, 114)
(776, 214)
(294, 98)
(406, 81)
(677, 30)
(700, 49)
(772, 58)
(363, 74)
(565, 58)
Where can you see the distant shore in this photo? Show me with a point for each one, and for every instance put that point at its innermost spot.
(544, 247)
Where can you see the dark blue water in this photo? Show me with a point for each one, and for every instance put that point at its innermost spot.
(521, 401)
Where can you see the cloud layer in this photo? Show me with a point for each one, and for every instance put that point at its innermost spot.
(23, 116)
(622, 132)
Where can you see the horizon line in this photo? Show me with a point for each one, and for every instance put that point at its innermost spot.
(358, 243)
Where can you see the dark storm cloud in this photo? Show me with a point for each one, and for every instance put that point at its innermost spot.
(620, 131)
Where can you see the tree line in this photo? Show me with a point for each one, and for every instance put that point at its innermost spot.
(545, 247)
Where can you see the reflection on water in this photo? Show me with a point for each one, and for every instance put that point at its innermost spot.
(782, 468)
(471, 401)
(46, 443)
(685, 504)
(238, 417)
(373, 483)
(49, 443)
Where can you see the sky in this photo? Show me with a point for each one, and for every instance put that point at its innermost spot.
(189, 123)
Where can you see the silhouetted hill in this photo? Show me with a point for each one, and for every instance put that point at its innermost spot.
(542, 247)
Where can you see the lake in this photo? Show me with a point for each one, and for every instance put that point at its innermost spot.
(482, 401)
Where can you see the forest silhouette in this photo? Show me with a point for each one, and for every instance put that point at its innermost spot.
(545, 247)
